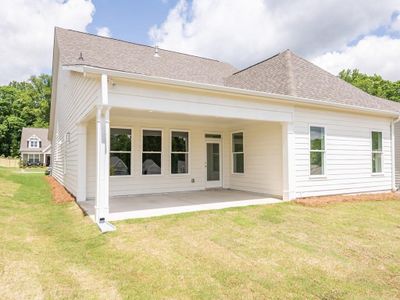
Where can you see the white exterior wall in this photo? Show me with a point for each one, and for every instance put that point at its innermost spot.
(348, 153)
(397, 152)
(262, 157)
(76, 97)
(257, 178)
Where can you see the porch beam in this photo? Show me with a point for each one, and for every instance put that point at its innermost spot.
(288, 161)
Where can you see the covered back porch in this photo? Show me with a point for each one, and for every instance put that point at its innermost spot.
(147, 155)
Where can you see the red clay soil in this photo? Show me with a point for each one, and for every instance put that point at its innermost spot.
(324, 200)
(59, 193)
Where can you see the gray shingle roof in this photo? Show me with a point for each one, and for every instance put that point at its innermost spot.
(41, 133)
(284, 73)
(129, 57)
(289, 74)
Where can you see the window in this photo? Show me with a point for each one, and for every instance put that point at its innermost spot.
(120, 151)
(34, 142)
(151, 154)
(179, 152)
(376, 152)
(317, 150)
(237, 152)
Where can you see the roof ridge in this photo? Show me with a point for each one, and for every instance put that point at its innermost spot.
(291, 79)
(139, 44)
(257, 63)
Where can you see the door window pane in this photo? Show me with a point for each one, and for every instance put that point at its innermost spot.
(213, 162)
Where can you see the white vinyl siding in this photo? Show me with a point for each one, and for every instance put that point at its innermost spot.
(348, 153)
(76, 97)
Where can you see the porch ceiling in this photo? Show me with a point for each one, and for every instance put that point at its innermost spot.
(150, 205)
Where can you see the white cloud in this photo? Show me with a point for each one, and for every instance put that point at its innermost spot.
(380, 55)
(396, 24)
(26, 33)
(246, 32)
(104, 31)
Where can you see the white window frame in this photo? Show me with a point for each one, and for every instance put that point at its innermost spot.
(175, 152)
(131, 152)
(233, 153)
(324, 167)
(161, 153)
(34, 138)
(376, 151)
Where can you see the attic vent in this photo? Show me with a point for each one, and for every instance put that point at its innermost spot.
(156, 51)
(80, 56)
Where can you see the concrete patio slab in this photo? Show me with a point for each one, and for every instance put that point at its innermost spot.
(151, 205)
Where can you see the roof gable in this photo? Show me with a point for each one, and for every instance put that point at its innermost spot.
(289, 74)
(39, 133)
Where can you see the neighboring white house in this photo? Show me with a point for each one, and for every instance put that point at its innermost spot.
(35, 148)
(129, 119)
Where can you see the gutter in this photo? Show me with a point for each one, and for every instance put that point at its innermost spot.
(211, 87)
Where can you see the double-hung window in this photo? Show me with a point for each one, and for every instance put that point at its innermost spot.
(120, 151)
(317, 150)
(179, 152)
(238, 153)
(376, 137)
(151, 154)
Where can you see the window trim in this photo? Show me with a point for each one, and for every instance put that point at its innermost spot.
(38, 140)
(324, 165)
(174, 152)
(131, 152)
(243, 152)
(161, 152)
(374, 151)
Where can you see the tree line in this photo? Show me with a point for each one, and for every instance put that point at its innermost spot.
(23, 104)
(27, 103)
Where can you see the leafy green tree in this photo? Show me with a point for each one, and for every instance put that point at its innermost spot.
(23, 104)
(374, 85)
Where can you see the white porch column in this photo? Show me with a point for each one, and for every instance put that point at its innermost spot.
(393, 154)
(82, 136)
(102, 170)
(288, 161)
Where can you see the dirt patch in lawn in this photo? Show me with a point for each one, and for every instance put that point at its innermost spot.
(324, 200)
(8, 188)
(59, 193)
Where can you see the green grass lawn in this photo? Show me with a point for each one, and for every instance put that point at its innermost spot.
(345, 250)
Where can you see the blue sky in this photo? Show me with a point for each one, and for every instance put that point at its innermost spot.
(130, 20)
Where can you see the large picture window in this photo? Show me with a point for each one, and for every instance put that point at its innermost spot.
(317, 150)
(179, 152)
(376, 152)
(238, 152)
(151, 154)
(120, 151)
